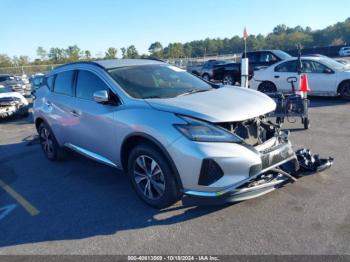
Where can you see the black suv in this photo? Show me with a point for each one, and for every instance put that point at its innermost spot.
(230, 73)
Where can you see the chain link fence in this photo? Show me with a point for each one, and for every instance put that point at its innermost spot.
(191, 61)
(27, 70)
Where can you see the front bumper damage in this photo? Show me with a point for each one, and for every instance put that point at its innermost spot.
(279, 165)
(10, 106)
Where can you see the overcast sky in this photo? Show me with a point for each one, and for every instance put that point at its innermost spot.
(98, 24)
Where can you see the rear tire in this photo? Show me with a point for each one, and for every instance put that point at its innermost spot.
(49, 144)
(151, 177)
(344, 90)
(228, 80)
(267, 87)
(206, 77)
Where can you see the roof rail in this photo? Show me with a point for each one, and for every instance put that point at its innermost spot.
(154, 59)
(80, 62)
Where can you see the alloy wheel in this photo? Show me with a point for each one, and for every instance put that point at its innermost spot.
(149, 177)
(206, 78)
(227, 80)
(345, 92)
(47, 142)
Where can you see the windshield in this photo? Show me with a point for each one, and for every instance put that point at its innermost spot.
(157, 81)
(282, 55)
(331, 63)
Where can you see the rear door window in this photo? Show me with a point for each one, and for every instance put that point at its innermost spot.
(308, 66)
(267, 57)
(319, 68)
(64, 83)
(288, 67)
(87, 84)
(253, 57)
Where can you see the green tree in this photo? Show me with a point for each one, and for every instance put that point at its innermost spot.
(174, 50)
(57, 55)
(131, 52)
(123, 49)
(111, 53)
(279, 29)
(156, 50)
(73, 53)
(87, 54)
(5, 61)
(41, 53)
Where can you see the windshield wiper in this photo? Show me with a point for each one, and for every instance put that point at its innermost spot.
(193, 91)
(151, 97)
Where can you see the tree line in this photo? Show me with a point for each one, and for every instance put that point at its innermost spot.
(282, 37)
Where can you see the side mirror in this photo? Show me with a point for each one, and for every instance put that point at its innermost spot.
(101, 96)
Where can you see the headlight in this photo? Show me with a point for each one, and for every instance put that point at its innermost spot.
(201, 131)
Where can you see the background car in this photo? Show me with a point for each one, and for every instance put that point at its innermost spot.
(326, 77)
(12, 103)
(344, 51)
(13, 83)
(205, 71)
(230, 73)
(36, 81)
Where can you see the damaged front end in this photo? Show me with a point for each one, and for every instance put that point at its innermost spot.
(11, 105)
(265, 138)
(279, 163)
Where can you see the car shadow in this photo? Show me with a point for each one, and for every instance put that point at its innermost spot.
(18, 119)
(77, 198)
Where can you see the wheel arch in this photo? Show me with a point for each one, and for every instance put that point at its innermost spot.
(137, 138)
(266, 81)
(38, 122)
(341, 83)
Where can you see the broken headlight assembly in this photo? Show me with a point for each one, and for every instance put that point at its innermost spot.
(201, 131)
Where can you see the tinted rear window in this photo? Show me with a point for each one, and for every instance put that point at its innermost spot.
(290, 66)
(63, 83)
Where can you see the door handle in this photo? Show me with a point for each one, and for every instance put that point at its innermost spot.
(75, 113)
(48, 103)
(277, 76)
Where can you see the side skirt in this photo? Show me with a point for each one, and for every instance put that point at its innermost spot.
(91, 155)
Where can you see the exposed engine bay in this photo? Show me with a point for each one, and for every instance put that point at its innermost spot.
(253, 131)
(274, 147)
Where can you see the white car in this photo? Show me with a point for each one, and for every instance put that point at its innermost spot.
(12, 103)
(326, 77)
(344, 51)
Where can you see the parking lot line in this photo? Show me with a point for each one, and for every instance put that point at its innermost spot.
(21, 200)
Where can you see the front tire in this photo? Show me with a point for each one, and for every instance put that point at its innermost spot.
(152, 177)
(49, 143)
(344, 90)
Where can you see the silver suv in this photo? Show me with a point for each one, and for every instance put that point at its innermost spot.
(172, 133)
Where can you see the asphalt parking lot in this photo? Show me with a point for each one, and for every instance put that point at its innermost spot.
(82, 207)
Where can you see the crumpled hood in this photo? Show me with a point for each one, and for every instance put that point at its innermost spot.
(226, 104)
(16, 95)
